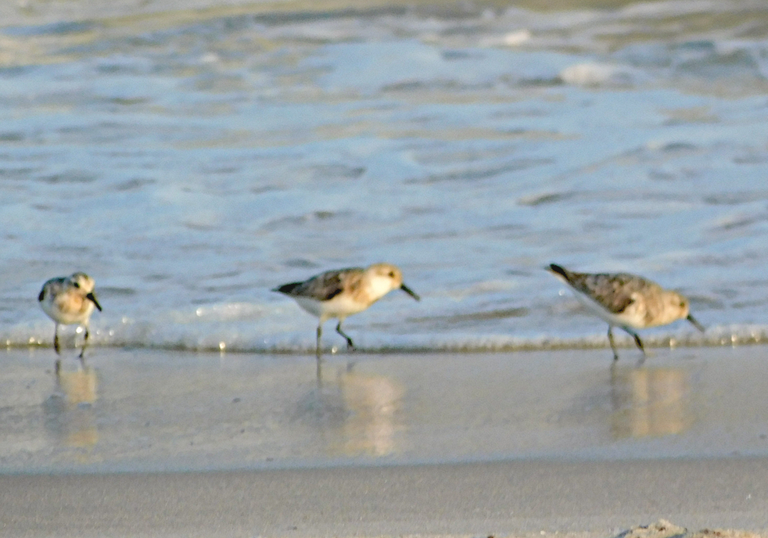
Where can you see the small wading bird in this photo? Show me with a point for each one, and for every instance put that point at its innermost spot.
(343, 292)
(69, 301)
(626, 301)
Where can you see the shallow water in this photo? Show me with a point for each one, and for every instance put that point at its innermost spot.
(193, 158)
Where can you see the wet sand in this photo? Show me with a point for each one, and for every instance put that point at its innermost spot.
(183, 444)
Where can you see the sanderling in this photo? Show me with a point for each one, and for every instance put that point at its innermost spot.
(68, 301)
(343, 292)
(626, 301)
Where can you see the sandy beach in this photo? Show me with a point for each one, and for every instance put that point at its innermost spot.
(192, 155)
(158, 443)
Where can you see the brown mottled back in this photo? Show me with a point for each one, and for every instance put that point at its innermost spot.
(612, 291)
(324, 286)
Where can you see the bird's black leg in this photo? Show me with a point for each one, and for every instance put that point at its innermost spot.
(85, 345)
(319, 356)
(56, 340)
(613, 344)
(637, 341)
(319, 348)
(350, 343)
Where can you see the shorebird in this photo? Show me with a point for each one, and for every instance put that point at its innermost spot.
(626, 301)
(343, 292)
(69, 301)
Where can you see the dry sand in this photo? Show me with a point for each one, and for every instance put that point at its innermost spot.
(172, 444)
(480, 499)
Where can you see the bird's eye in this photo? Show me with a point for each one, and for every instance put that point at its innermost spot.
(76, 284)
(682, 305)
(391, 274)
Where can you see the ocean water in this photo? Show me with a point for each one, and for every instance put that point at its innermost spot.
(191, 156)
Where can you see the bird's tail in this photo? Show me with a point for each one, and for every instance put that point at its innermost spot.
(287, 288)
(560, 271)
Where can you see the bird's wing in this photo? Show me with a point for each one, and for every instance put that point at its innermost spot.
(615, 292)
(322, 287)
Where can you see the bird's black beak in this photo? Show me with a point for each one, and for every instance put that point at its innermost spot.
(92, 297)
(696, 324)
(410, 292)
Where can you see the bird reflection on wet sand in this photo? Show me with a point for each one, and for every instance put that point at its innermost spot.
(356, 413)
(649, 402)
(69, 411)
